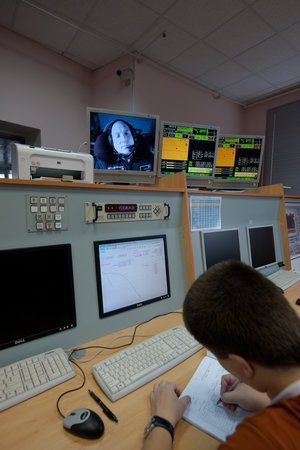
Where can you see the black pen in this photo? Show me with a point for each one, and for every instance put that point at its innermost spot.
(104, 407)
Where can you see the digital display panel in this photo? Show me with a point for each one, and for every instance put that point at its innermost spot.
(190, 149)
(238, 161)
(124, 146)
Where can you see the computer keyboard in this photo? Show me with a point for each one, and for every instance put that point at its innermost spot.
(129, 369)
(284, 278)
(31, 376)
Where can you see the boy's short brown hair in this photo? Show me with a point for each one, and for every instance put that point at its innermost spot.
(233, 308)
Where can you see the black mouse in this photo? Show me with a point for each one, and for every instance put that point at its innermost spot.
(298, 301)
(84, 423)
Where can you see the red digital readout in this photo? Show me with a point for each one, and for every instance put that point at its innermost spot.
(120, 208)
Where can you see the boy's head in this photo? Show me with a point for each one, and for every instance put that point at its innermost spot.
(232, 308)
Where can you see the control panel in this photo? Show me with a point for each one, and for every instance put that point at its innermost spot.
(46, 213)
(97, 212)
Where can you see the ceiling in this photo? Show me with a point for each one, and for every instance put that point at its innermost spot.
(243, 50)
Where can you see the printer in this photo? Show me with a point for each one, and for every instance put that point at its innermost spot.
(29, 162)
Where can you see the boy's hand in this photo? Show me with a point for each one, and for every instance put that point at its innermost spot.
(165, 401)
(243, 395)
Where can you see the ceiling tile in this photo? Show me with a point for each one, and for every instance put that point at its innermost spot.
(268, 53)
(7, 8)
(130, 22)
(239, 34)
(197, 60)
(281, 73)
(292, 35)
(280, 14)
(164, 49)
(224, 75)
(202, 17)
(95, 51)
(73, 9)
(41, 28)
(157, 5)
(251, 86)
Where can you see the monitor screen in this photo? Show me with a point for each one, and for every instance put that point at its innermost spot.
(220, 245)
(40, 291)
(124, 146)
(261, 246)
(131, 273)
(239, 161)
(190, 149)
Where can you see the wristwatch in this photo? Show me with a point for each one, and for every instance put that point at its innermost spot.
(157, 421)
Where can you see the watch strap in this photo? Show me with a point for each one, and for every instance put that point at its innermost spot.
(157, 421)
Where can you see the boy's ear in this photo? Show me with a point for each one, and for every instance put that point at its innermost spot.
(242, 366)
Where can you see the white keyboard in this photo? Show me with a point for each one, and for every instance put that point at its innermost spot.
(284, 278)
(127, 370)
(28, 377)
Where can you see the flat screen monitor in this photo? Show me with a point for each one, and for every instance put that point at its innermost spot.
(131, 273)
(190, 149)
(220, 245)
(239, 160)
(261, 246)
(40, 293)
(124, 146)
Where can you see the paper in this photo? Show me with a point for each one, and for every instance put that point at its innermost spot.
(205, 212)
(202, 411)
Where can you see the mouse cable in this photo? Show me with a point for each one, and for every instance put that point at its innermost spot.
(123, 345)
(105, 348)
(71, 390)
(122, 336)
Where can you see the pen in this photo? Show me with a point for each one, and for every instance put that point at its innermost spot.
(104, 407)
(231, 388)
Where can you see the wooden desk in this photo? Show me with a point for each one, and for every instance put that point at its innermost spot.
(36, 424)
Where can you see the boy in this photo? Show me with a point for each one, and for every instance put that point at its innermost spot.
(244, 319)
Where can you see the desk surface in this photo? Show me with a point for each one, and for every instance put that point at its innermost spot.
(36, 423)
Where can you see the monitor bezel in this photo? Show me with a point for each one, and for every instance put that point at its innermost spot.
(237, 183)
(191, 180)
(249, 245)
(209, 231)
(124, 176)
(102, 313)
(69, 277)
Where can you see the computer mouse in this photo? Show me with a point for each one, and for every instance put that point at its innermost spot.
(84, 423)
(298, 301)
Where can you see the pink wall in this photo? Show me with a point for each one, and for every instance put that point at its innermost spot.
(256, 116)
(41, 89)
(158, 92)
(178, 100)
(108, 90)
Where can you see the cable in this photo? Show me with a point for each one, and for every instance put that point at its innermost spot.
(71, 390)
(102, 349)
(123, 345)
(134, 335)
